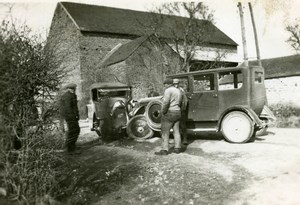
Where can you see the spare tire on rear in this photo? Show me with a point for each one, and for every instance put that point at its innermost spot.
(153, 114)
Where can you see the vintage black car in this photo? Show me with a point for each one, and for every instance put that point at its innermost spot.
(228, 100)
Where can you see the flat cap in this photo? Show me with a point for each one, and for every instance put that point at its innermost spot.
(71, 85)
(175, 81)
(168, 81)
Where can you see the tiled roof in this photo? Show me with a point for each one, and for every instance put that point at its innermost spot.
(123, 52)
(281, 67)
(91, 18)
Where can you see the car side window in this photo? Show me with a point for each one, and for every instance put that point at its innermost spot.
(230, 80)
(204, 82)
(94, 94)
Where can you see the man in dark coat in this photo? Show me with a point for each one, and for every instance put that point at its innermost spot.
(70, 114)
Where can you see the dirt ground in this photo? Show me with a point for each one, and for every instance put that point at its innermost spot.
(209, 171)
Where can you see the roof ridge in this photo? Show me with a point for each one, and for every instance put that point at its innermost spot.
(114, 51)
(144, 38)
(70, 16)
(110, 53)
(120, 21)
(126, 9)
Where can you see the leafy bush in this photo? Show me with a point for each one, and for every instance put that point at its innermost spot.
(29, 173)
(287, 115)
(29, 80)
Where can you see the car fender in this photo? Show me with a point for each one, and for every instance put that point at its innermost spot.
(267, 114)
(138, 111)
(141, 104)
(255, 119)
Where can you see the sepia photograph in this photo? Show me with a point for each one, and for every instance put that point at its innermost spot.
(149, 102)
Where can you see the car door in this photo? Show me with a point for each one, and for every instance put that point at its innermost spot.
(233, 89)
(203, 100)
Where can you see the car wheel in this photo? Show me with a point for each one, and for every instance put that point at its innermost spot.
(101, 127)
(153, 114)
(138, 128)
(237, 127)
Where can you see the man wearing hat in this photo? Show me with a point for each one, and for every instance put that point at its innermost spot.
(152, 92)
(70, 114)
(171, 115)
(183, 111)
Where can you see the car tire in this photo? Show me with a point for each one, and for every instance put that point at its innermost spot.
(153, 114)
(237, 127)
(138, 128)
(100, 127)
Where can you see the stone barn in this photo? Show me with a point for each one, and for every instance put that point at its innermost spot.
(95, 43)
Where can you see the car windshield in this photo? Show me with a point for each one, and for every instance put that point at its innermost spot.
(105, 93)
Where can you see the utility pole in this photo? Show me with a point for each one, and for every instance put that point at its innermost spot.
(243, 34)
(255, 35)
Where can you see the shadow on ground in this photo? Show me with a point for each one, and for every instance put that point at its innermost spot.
(127, 172)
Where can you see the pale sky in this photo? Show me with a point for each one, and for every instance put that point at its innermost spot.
(271, 16)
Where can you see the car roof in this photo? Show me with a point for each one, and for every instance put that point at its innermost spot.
(109, 85)
(209, 71)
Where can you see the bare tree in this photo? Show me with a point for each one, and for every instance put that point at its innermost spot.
(294, 38)
(189, 33)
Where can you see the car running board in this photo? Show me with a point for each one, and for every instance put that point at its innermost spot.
(204, 129)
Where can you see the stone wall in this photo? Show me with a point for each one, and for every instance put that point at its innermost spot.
(283, 90)
(79, 54)
(93, 48)
(63, 41)
(147, 66)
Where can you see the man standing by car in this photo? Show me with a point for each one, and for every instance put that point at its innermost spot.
(183, 112)
(70, 114)
(171, 115)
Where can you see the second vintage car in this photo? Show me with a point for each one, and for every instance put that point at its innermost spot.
(109, 112)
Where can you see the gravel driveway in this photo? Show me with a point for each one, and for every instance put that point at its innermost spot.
(266, 171)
